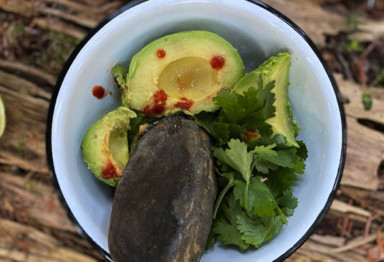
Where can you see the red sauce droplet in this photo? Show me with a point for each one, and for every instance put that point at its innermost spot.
(153, 110)
(159, 100)
(160, 97)
(161, 53)
(98, 92)
(109, 171)
(184, 103)
(217, 62)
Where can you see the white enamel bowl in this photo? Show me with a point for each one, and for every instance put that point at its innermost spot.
(257, 31)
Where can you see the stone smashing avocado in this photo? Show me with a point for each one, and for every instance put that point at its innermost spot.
(181, 72)
(276, 68)
(105, 145)
(163, 205)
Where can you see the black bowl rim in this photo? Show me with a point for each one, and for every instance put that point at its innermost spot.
(131, 4)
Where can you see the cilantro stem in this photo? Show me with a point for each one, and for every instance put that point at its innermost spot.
(246, 195)
(133, 142)
(220, 198)
(282, 215)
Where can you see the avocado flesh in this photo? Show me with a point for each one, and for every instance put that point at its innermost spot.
(275, 69)
(185, 71)
(105, 145)
(118, 146)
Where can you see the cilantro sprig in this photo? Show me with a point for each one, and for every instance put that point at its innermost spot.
(241, 114)
(255, 167)
(238, 158)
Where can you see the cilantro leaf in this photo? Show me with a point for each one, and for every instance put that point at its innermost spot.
(267, 158)
(238, 158)
(302, 150)
(240, 113)
(224, 131)
(256, 119)
(261, 201)
(266, 97)
(220, 131)
(284, 157)
(277, 139)
(249, 110)
(225, 226)
(302, 154)
(281, 180)
(300, 166)
(263, 154)
(263, 166)
(206, 120)
(287, 202)
(231, 109)
(257, 231)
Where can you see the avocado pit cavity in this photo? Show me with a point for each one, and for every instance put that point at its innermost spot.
(118, 144)
(189, 77)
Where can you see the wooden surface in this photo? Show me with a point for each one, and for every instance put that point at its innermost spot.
(36, 37)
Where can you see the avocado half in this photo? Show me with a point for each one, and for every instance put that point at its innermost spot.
(181, 72)
(276, 68)
(105, 145)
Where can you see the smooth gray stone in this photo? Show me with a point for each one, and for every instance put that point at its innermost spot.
(162, 209)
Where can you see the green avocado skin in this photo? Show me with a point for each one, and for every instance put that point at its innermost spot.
(276, 68)
(162, 209)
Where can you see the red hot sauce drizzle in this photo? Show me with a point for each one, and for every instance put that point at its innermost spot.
(161, 53)
(159, 99)
(98, 92)
(109, 171)
(217, 62)
(184, 103)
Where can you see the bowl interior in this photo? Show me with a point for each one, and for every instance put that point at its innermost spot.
(257, 33)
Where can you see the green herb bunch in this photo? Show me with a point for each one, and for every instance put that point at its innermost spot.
(256, 168)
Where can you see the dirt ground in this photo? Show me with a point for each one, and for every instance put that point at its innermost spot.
(36, 38)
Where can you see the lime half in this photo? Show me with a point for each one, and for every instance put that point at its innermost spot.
(2, 116)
